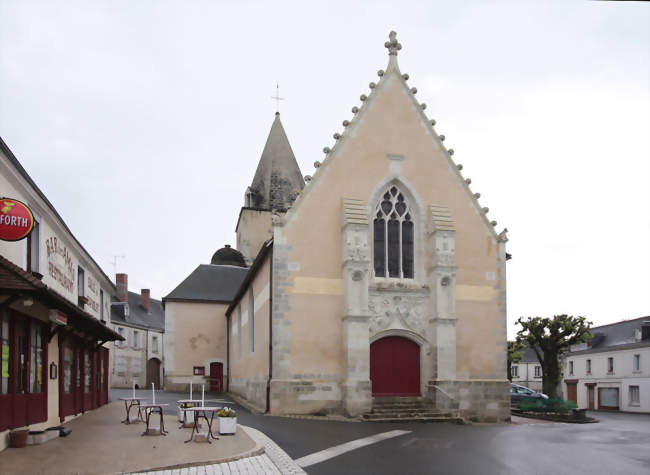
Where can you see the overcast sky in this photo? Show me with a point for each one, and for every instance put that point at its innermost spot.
(143, 122)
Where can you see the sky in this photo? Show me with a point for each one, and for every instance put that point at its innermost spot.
(143, 123)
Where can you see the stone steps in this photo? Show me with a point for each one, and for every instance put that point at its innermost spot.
(402, 409)
(405, 415)
(456, 420)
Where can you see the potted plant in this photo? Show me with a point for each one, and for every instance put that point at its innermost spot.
(227, 421)
(18, 438)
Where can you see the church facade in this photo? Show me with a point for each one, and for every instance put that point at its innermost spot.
(382, 277)
(378, 276)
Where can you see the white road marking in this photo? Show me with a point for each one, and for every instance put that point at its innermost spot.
(318, 457)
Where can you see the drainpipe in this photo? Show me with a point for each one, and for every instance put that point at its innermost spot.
(268, 382)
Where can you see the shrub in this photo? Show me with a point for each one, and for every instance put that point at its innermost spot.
(556, 405)
(226, 412)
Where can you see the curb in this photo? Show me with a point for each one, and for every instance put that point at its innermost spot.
(257, 450)
(279, 457)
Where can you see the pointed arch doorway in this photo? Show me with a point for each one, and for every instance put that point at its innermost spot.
(395, 367)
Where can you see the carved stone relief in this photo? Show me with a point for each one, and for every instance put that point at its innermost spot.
(390, 310)
(356, 247)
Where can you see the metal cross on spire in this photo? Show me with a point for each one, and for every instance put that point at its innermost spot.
(277, 97)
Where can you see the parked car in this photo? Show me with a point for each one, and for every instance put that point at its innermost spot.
(519, 394)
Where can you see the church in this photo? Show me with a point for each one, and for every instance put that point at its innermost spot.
(378, 276)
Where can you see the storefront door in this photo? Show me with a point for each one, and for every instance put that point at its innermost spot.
(20, 372)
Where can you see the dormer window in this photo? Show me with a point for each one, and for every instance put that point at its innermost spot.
(393, 236)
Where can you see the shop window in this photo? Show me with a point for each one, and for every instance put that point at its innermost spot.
(36, 359)
(199, 371)
(393, 236)
(81, 282)
(251, 320)
(101, 305)
(87, 372)
(120, 343)
(120, 365)
(610, 365)
(68, 358)
(5, 352)
(33, 241)
(239, 331)
(136, 366)
(635, 395)
(636, 363)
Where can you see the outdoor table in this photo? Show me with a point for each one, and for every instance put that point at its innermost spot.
(193, 401)
(154, 408)
(129, 402)
(185, 401)
(203, 412)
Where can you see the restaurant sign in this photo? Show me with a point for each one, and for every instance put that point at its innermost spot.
(16, 220)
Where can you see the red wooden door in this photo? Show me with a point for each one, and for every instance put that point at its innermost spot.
(216, 377)
(104, 375)
(20, 367)
(395, 367)
(78, 381)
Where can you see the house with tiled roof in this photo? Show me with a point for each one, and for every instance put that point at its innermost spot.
(612, 370)
(139, 358)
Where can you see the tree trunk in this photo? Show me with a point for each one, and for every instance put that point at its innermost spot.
(551, 376)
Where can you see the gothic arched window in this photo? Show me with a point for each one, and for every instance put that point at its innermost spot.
(393, 236)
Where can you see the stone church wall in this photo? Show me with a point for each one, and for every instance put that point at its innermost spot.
(249, 370)
(389, 142)
(195, 336)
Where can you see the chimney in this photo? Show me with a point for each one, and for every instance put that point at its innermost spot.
(122, 281)
(145, 295)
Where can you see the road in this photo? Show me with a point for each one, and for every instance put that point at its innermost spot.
(619, 444)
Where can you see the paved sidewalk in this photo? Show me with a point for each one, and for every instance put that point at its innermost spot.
(273, 461)
(100, 443)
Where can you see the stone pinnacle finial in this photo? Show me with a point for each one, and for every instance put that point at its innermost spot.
(393, 45)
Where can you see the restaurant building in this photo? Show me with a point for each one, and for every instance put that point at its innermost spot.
(54, 306)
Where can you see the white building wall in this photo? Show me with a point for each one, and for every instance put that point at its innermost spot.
(622, 377)
(526, 376)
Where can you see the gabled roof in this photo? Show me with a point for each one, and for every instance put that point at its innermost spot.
(278, 177)
(616, 336)
(154, 319)
(392, 73)
(209, 283)
(529, 356)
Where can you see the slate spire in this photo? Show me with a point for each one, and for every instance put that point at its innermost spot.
(278, 177)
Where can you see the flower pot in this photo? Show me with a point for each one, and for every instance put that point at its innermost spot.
(18, 438)
(227, 425)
